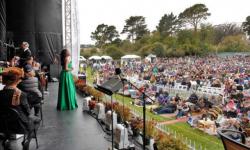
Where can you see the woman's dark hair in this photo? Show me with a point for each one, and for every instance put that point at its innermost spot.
(63, 56)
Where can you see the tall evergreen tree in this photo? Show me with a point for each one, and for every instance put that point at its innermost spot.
(246, 26)
(168, 24)
(194, 15)
(135, 28)
(104, 34)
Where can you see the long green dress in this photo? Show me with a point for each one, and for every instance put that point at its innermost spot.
(67, 92)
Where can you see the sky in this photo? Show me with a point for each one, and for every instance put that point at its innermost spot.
(115, 12)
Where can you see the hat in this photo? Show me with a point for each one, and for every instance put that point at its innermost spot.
(27, 68)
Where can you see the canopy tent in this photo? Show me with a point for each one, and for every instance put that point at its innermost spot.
(95, 58)
(150, 57)
(131, 57)
(106, 57)
(81, 58)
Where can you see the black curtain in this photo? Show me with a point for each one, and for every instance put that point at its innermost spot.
(2, 29)
(39, 22)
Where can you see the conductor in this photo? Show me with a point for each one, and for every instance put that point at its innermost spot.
(24, 54)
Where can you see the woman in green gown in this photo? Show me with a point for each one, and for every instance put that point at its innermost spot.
(67, 92)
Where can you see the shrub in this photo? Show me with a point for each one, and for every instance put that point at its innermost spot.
(114, 52)
(168, 142)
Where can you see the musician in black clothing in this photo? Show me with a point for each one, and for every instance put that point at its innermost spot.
(24, 54)
(12, 97)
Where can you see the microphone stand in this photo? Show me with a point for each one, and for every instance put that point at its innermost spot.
(144, 95)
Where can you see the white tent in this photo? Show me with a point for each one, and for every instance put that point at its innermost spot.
(130, 57)
(106, 57)
(95, 58)
(127, 58)
(151, 56)
(81, 58)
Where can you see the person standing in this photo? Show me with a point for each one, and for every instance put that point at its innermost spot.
(67, 92)
(25, 53)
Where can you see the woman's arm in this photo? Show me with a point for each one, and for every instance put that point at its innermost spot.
(66, 63)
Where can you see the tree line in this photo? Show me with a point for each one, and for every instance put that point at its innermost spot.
(175, 36)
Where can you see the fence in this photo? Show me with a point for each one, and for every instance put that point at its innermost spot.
(163, 128)
(183, 92)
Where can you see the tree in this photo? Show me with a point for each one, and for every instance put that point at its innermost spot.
(246, 26)
(168, 24)
(234, 43)
(158, 49)
(104, 34)
(135, 28)
(112, 34)
(185, 36)
(224, 30)
(194, 15)
(114, 52)
(206, 33)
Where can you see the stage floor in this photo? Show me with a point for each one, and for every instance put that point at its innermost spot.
(66, 130)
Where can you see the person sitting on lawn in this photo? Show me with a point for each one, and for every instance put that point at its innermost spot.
(163, 98)
(183, 110)
(167, 109)
(230, 109)
(193, 98)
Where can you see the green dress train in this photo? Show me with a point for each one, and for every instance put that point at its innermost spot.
(67, 92)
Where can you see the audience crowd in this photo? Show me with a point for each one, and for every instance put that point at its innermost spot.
(228, 107)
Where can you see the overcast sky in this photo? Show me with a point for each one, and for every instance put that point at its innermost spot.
(115, 12)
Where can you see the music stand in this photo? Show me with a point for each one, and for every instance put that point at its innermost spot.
(110, 87)
(144, 96)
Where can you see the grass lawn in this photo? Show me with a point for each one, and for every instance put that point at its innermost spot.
(201, 139)
(127, 102)
(90, 78)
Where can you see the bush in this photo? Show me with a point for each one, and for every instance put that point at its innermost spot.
(236, 43)
(175, 53)
(146, 50)
(88, 52)
(168, 142)
(158, 49)
(114, 52)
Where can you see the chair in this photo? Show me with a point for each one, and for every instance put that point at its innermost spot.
(31, 97)
(230, 144)
(40, 106)
(10, 123)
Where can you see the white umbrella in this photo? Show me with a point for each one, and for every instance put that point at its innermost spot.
(95, 58)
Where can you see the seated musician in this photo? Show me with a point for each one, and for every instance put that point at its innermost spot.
(12, 97)
(30, 85)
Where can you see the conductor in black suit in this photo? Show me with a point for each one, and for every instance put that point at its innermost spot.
(25, 53)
